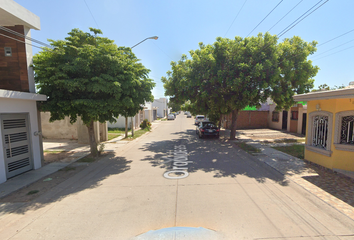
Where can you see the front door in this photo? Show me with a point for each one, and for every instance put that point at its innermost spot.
(285, 120)
(15, 137)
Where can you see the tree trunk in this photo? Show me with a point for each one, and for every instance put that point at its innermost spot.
(92, 139)
(132, 126)
(220, 118)
(233, 124)
(126, 126)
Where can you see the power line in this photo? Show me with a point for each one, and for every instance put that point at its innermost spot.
(91, 14)
(334, 53)
(336, 37)
(235, 17)
(334, 48)
(288, 28)
(266, 17)
(284, 16)
(23, 36)
(22, 41)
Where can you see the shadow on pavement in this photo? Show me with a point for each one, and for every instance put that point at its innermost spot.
(88, 178)
(218, 156)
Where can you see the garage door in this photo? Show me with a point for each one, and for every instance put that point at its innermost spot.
(15, 137)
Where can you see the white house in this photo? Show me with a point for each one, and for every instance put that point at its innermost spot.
(21, 146)
(161, 107)
(149, 113)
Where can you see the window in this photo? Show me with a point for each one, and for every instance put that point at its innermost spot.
(294, 115)
(344, 131)
(275, 116)
(319, 132)
(347, 130)
(8, 52)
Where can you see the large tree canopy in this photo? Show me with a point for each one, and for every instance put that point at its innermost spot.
(229, 75)
(89, 76)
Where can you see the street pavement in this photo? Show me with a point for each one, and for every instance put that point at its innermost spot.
(127, 194)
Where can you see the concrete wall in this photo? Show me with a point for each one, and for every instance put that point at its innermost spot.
(63, 129)
(30, 108)
(60, 129)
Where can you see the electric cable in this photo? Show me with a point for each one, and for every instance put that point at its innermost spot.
(266, 17)
(91, 14)
(336, 37)
(316, 55)
(23, 36)
(284, 16)
(334, 53)
(303, 18)
(236, 17)
(23, 42)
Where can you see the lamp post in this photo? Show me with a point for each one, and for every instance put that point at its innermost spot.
(154, 37)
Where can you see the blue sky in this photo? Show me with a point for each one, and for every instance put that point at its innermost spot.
(181, 25)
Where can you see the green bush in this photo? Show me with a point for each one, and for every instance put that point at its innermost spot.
(145, 124)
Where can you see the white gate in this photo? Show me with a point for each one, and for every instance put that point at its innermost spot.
(15, 137)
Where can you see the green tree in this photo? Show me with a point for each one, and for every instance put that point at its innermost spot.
(88, 76)
(136, 90)
(229, 75)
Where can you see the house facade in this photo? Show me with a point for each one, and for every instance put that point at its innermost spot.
(161, 107)
(330, 128)
(293, 120)
(21, 147)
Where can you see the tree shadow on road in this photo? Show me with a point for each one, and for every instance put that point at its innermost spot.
(90, 176)
(216, 156)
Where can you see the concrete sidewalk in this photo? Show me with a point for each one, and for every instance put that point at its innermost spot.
(78, 151)
(334, 189)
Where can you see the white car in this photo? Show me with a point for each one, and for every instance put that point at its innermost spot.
(170, 117)
(198, 119)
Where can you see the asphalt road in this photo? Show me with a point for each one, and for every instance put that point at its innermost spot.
(217, 187)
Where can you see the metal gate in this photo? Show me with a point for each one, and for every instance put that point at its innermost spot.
(15, 137)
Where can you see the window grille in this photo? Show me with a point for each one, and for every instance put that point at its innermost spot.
(347, 130)
(275, 117)
(320, 131)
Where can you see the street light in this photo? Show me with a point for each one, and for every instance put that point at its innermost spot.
(154, 37)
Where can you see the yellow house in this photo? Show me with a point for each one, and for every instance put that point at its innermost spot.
(330, 128)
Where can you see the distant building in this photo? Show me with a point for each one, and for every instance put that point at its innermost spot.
(161, 107)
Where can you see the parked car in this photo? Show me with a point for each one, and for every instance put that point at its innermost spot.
(198, 119)
(206, 128)
(171, 117)
(189, 115)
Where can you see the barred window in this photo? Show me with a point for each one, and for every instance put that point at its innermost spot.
(347, 130)
(275, 117)
(320, 131)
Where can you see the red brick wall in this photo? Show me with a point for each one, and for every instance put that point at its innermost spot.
(13, 70)
(247, 120)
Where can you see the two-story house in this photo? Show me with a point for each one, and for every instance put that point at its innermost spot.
(20, 136)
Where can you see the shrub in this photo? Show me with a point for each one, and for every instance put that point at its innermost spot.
(145, 124)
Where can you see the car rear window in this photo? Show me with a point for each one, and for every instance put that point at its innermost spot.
(200, 117)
